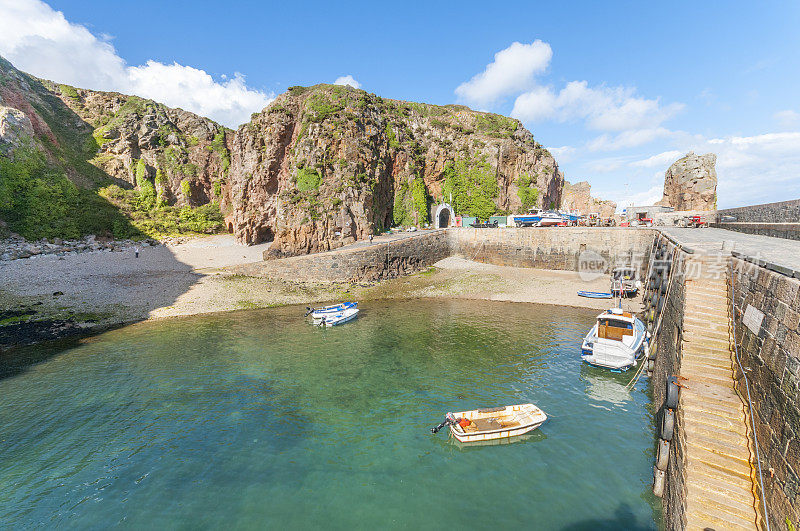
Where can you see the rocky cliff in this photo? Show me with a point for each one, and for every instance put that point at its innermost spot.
(318, 168)
(578, 197)
(691, 183)
(324, 166)
(169, 156)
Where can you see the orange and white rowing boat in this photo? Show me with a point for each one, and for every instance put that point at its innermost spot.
(493, 423)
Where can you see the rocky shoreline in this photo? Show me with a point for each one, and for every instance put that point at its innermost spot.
(17, 247)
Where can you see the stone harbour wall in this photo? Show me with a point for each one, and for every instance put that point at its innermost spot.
(667, 346)
(769, 350)
(553, 247)
(779, 220)
(787, 231)
(363, 263)
(544, 248)
(781, 212)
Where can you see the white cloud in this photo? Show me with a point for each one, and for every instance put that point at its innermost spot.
(511, 72)
(754, 169)
(347, 80)
(605, 164)
(602, 108)
(562, 154)
(41, 41)
(628, 139)
(645, 198)
(787, 118)
(662, 159)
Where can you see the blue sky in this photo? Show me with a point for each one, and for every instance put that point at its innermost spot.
(617, 90)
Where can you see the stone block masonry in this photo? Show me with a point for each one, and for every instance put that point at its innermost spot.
(781, 212)
(553, 247)
(769, 347)
(667, 344)
(544, 248)
(779, 220)
(357, 264)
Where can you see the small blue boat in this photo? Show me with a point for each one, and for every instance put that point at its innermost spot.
(594, 294)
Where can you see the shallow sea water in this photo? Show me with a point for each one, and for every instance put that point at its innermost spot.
(256, 419)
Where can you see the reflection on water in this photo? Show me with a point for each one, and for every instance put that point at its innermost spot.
(256, 419)
(606, 387)
(519, 439)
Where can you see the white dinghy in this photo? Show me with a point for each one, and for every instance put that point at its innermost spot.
(616, 341)
(334, 319)
(489, 424)
(327, 311)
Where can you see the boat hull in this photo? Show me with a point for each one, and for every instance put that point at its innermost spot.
(335, 309)
(614, 355)
(518, 419)
(341, 318)
(503, 434)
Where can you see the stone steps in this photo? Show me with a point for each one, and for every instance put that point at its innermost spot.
(716, 324)
(712, 498)
(702, 377)
(715, 517)
(700, 358)
(714, 520)
(712, 417)
(720, 409)
(718, 471)
(720, 482)
(703, 313)
(705, 435)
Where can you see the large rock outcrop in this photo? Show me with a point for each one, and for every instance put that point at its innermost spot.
(578, 197)
(691, 183)
(97, 137)
(15, 130)
(324, 166)
(318, 168)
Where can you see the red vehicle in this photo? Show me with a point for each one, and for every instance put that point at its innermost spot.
(696, 221)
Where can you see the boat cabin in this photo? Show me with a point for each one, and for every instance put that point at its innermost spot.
(615, 324)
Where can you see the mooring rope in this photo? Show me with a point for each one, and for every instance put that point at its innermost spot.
(749, 400)
(651, 341)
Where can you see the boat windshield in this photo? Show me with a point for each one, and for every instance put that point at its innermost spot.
(617, 324)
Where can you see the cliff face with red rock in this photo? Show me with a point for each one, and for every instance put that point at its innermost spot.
(319, 168)
(578, 197)
(324, 166)
(97, 137)
(691, 183)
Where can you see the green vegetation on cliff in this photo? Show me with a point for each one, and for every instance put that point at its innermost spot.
(411, 204)
(160, 221)
(473, 187)
(527, 193)
(308, 179)
(37, 201)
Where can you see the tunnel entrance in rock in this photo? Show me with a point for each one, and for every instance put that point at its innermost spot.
(265, 235)
(444, 216)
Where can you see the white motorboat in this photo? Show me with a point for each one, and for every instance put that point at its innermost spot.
(334, 319)
(538, 218)
(318, 313)
(550, 219)
(617, 341)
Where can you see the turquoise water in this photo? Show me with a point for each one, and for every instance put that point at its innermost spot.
(256, 419)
